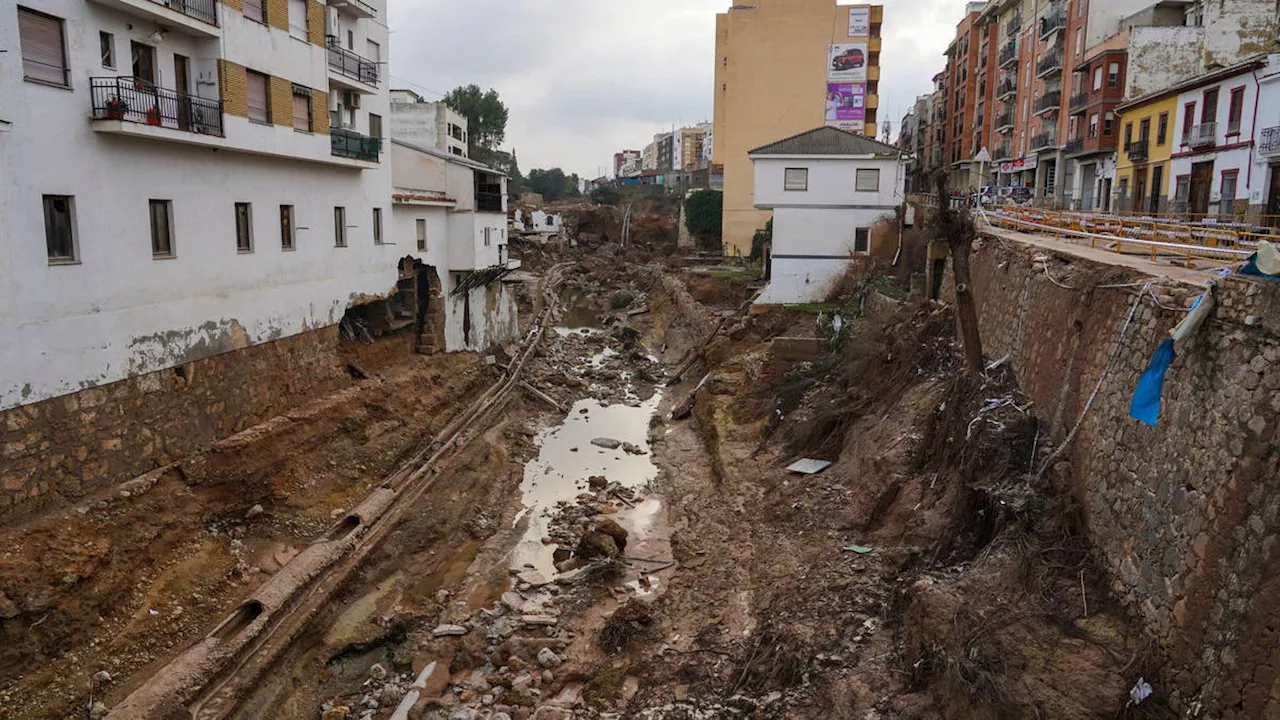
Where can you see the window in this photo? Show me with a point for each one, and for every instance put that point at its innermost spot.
(1079, 41)
(375, 126)
(44, 53)
(286, 227)
(59, 228)
(1108, 123)
(351, 40)
(298, 19)
(301, 108)
(377, 226)
(161, 228)
(1188, 119)
(1209, 113)
(259, 105)
(107, 49)
(861, 242)
(1144, 130)
(244, 227)
(867, 180)
(1093, 126)
(1097, 78)
(374, 51)
(1128, 134)
(796, 179)
(421, 227)
(253, 10)
(1235, 111)
(1162, 129)
(1183, 189)
(1113, 75)
(340, 227)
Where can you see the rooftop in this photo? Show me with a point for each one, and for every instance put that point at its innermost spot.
(827, 141)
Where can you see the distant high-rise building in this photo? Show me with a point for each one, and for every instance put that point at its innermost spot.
(784, 67)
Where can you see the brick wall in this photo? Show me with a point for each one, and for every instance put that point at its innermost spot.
(236, 5)
(277, 13)
(320, 112)
(281, 91)
(1184, 516)
(233, 85)
(315, 23)
(68, 446)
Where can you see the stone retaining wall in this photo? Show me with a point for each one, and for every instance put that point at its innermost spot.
(69, 446)
(1184, 515)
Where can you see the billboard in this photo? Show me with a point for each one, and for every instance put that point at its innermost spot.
(846, 106)
(1025, 163)
(847, 63)
(859, 21)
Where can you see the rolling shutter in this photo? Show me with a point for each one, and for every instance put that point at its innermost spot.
(301, 109)
(256, 85)
(43, 53)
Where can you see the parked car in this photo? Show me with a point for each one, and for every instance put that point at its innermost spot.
(849, 60)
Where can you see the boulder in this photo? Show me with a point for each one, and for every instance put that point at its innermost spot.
(548, 658)
(610, 527)
(597, 544)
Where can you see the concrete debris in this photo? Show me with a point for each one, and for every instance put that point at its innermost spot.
(539, 620)
(808, 466)
(449, 631)
(533, 578)
(631, 449)
(548, 658)
(253, 512)
(606, 443)
(102, 677)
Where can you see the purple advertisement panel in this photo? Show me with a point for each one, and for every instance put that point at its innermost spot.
(846, 105)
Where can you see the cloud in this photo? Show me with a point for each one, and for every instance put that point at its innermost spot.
(586, 78)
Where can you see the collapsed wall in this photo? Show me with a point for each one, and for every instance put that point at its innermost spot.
(1183, 515)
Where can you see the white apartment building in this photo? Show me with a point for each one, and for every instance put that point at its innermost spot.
(183, 179)
(430, 124)
(449, 219)
(827, 188)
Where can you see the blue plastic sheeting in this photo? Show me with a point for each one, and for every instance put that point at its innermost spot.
(1146, 399)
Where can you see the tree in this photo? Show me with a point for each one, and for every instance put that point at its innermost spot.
(605, 196)
(553, 184)
(703, 216)
(955, 228)
(486, 118)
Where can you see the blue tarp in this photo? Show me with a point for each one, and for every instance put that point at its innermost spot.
(1146, 398)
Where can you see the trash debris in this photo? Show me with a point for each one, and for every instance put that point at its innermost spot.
(1141, 691)
(1145, 406)
(860, 549)
(808, 466)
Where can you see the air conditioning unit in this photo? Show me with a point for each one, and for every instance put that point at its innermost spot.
(350, 99)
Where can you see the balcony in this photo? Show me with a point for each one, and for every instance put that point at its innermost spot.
(1046, 139)
(1012, 27)
(134, 100)
(196, 18)
(1136, 150)
(351, 65)
(1078, 102)
(488, 201)
(1004, 151)
(1073, 146)
(1050, 65)
(1050, 102)
(1202, 135)
(1004, 123)
(351, 144)
(1269, 142)
(1009, 53)
(1007, 87)
(937, 158)
(1053, 21)
(355, 8)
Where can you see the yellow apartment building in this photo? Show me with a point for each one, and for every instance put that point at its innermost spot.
(1142, 156)
(784, 67)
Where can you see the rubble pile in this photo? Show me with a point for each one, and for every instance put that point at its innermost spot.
(583, 530)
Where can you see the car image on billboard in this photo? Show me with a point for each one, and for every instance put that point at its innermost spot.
(849, 60)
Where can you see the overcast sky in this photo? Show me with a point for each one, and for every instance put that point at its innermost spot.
(586, 78)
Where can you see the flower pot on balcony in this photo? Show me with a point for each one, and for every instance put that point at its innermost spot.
(153, 116)
(116, 108)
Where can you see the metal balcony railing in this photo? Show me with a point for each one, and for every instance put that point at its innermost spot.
(1014, 25)
(1004, 121)
(351, 64)
(1054, 20)
(1052, 63)
(1136, 150)
(205, 11)
(1201, 135)
(135, 100)
(1004, 151)
(488, 202)
(1006, 88)
(1269, 142)
(1079, 101)
(1008, 53)
(1073, 146)
(1050, 101)
(351, 144)
(1044, 140)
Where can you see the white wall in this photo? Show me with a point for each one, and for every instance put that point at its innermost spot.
(118, 312)
(493, 318)
(1239, 157)
(1268, 116)
(831, 182)
(811, 247)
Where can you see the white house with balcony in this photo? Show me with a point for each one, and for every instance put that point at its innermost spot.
(182, 179)
(826, 188)
(449, 214)
(1222, 164)
(1264, 198)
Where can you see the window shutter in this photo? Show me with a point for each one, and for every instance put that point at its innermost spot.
(253, 10)
(43, 53)
(867, 180)
(298, 19)
(256, 85)
(796, 179)
(301, 109)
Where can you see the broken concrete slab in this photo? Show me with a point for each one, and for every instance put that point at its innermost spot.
(808, 466)
(539, 620)
(449, 631)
